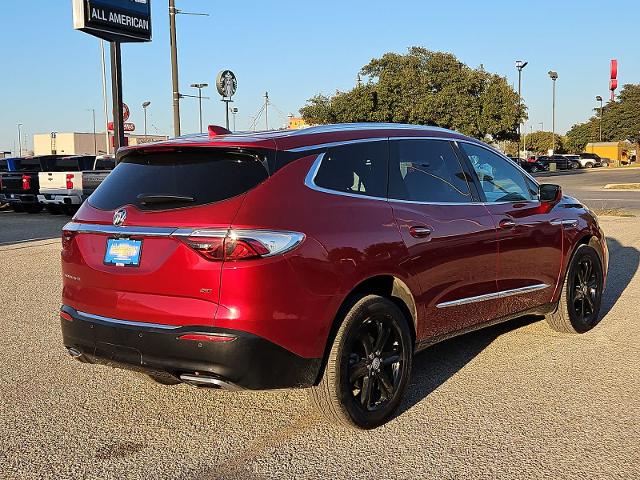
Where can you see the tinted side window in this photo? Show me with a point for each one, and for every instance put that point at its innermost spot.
(426, 171)
(359, 168)
(499, 179)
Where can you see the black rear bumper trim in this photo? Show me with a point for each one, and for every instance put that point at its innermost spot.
(248, 362)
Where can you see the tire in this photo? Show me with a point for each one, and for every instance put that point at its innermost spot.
(574, 165)
(588, 165)
(53, 209)
(374, 346)
(17, 207)
(36, 208)
(579, 303)
(534, 169)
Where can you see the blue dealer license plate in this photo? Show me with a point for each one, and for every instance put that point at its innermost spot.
(123, 252)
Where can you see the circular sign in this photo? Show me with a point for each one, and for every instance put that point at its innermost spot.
(125, 111)
(226, 83)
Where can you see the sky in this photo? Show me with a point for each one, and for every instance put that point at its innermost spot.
(51, 74)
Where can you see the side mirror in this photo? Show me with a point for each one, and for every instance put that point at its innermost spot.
(550, 193)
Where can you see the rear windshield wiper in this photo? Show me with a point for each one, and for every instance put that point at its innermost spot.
(154, 199)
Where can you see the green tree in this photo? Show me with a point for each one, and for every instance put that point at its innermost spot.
(428, 88)
(620, 121)
(541, 142)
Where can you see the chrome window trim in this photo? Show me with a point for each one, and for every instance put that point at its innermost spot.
(337, 144)
(492, 296)
(129, 323)
(113, 230)
(309, 180)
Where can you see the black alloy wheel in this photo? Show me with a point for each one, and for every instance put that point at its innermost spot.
(368, 366)
(375, 363)
(584, 291)
(581, 296)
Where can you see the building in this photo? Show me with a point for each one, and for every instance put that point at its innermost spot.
(75, 143)
(617, 151)
(296, 123)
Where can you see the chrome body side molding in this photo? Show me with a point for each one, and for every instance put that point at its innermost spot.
(492, 296)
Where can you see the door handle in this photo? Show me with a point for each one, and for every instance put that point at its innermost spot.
(507, 223)
(419, 231)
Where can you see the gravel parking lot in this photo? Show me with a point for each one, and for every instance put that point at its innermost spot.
(513, 401)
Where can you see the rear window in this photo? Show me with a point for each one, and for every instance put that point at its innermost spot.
(105, 164)
(69, 164)
(165, 180)
(28, 164)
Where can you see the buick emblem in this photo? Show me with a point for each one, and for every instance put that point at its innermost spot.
(119, 217)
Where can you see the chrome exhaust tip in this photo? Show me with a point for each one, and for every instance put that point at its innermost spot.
(74, 352)
(206, 381)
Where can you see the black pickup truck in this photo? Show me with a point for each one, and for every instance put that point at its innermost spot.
(19, 188)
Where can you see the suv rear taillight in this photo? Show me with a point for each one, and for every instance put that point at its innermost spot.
(230, 245)
(26, 182)
(67, 238)
(70, 181)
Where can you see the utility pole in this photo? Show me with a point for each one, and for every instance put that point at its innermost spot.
(95, 140)
(266, 110)
(174, 68)
(554, 76)
(599, 99)
(520, 65)
(104, 99)
(19, 140)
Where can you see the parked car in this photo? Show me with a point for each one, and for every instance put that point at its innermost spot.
(61, 183)
(562, 162)
(19, 186)
(590, 160)
(321, 258)
(94, 177)
(533, 165)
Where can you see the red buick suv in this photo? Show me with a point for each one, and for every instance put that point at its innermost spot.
(323, 258)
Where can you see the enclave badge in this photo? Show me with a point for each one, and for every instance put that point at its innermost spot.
(119, 217)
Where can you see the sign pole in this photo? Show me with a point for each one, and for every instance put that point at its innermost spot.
(116, 93)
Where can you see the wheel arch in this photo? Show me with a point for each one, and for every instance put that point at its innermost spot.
(385, 285)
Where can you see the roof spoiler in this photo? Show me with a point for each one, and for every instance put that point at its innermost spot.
(215, 130)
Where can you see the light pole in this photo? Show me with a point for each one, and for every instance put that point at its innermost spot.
(599, 99)
(234, 110)
(144, 108)
(520, 65)
(200, 86)
(95, 142)
(174, 68)
(553, 76)
(19, 140)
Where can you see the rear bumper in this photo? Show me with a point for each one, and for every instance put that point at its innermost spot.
(26, 198)
(53, 199)
(247, 361)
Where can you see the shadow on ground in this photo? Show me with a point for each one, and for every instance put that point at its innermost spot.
(440, 362)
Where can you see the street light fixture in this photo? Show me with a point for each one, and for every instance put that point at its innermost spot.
(599, 99)
(144, 108)
(541, 126)
(553, 76)
(520, 65)
(200, 86)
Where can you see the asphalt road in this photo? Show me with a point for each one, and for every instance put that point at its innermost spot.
(587, 185)
(24, 227)
(514, 401)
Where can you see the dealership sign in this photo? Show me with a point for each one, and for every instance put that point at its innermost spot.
(114, 20)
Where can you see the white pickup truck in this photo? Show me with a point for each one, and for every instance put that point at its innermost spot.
(63, 187)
